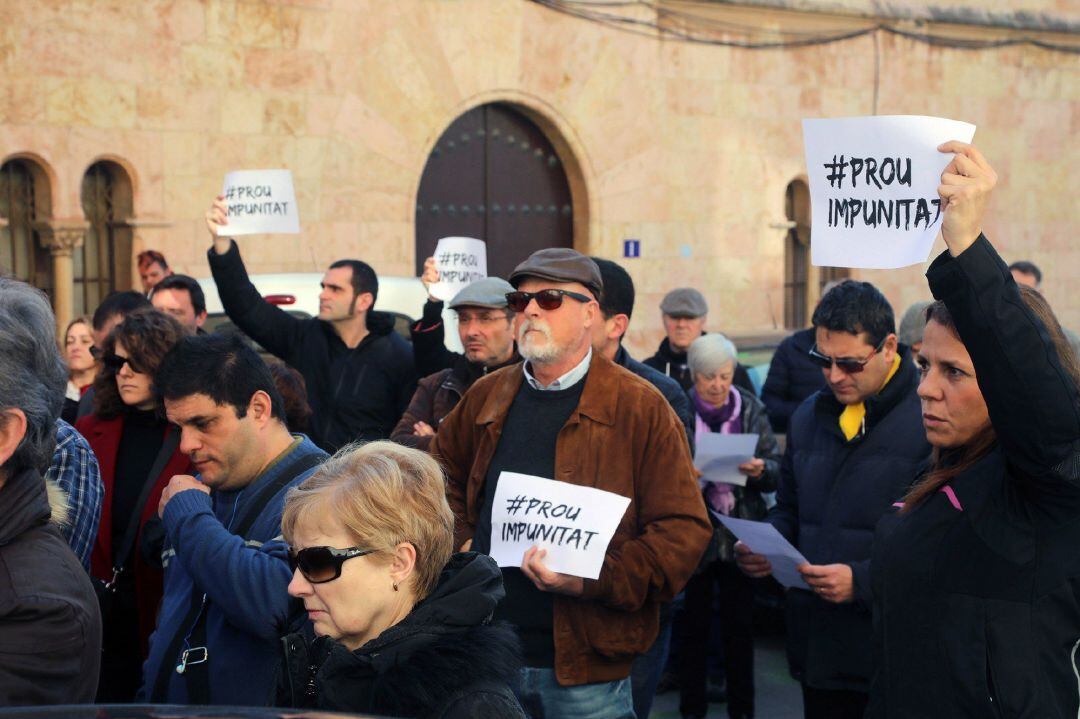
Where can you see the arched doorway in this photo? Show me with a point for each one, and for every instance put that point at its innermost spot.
(22, 255)
(103, 263)
(494, 175)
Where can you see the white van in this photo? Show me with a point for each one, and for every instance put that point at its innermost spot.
(298, 294)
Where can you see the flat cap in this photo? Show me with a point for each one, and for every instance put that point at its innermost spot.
(913, 324)
(684, 302)
(488, 292)
(560, 264)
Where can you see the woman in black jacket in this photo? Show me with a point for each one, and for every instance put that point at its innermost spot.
(402, 626)
(975, 578)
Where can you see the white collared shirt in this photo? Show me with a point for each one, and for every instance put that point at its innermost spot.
(568, 380)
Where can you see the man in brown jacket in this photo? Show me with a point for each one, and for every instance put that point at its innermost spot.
(576, 417)
(486, 329)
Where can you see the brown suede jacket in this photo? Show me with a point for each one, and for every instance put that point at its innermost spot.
(623, 438)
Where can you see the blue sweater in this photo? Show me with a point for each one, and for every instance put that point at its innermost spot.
(245, 583)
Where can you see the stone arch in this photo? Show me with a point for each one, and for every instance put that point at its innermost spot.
(27, 183)
(558, 133)
(103, 263)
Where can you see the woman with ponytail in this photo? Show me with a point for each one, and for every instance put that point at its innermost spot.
(976, 577)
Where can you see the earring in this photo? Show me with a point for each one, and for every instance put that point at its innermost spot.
(395, 586)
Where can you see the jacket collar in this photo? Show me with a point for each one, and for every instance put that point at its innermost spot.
(599, 397)
(24, 504)
(464, 373)
(899, 387)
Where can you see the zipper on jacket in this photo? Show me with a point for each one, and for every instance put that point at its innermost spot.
(1076, 670)
(995, 703)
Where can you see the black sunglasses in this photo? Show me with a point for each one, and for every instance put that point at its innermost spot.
(114, 363)
(323, 564)
(545, 299)
(848, 365)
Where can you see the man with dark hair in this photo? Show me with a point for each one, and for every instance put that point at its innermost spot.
(359, 372)
(1026, 273)
(486, 330)
(617, 306)
(570, 415)
(50, 623)
(225, 602)
(181, 297)
(852, 450)
(152, 269)
(685, 312)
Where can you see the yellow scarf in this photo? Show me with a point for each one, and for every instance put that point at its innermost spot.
(851, 418)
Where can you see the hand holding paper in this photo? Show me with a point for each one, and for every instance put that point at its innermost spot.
(532, 566)
(782, 559)
(965, 190)
(720, 457)
(459, 261)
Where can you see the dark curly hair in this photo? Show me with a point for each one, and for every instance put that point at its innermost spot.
(147, 335)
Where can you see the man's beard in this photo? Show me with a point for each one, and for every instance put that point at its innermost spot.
(549, 352)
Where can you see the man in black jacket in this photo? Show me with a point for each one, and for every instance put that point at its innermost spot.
(50, 624)
(852, 450)
(359, 372)
(685, 311)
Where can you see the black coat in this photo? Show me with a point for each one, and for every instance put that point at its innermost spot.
(50, 624)
(977, 603)
(792, 378)
(443, 661)
(355, 394)
(672, 391)
(832, 493)
(673, 364)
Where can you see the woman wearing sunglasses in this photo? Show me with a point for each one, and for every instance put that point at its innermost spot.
(137, 452)
(976, 578)
(401, 626)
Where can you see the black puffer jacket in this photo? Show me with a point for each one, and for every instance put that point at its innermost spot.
(443, 661)
(355, 394)
(977, 588)
(50, 624)
(831, 495)
(792, 378)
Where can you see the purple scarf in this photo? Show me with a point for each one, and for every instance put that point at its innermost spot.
(726, 419)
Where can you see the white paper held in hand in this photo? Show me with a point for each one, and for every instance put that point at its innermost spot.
(873, 187)
(260, 202)
(460, 262)
(718, 456)
(574, 524)
(762, 538)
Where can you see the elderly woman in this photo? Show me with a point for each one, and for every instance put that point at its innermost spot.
(78, 343)
(138, 453)
(402, 626)
(719, 406)
(976, 607)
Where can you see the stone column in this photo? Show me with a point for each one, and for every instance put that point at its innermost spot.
(61, 239)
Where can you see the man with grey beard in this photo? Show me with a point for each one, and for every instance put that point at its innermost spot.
(571, 415)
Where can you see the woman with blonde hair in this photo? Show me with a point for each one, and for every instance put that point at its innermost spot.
(78, 356)
(401, 623)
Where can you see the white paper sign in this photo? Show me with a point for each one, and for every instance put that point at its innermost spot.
(718, 456)
(763, 538)
(260, 201)
(873, 187)
(460, 262)
(574, 524)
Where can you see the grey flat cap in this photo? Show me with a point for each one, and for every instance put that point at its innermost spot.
(684, 302)
(560, 264)
(488, 292)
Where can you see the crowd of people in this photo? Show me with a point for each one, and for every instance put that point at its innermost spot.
(186, 523)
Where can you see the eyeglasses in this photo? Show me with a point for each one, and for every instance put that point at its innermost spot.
(114, 363)
(484, 319)
(846, 364)
(323, 564)
(545, 299)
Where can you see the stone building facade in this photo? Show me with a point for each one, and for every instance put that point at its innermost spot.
(690, 145)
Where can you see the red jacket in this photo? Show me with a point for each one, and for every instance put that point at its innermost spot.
(104, 438)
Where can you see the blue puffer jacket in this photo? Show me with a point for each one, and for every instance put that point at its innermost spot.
(245, 581)
(831, 495)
